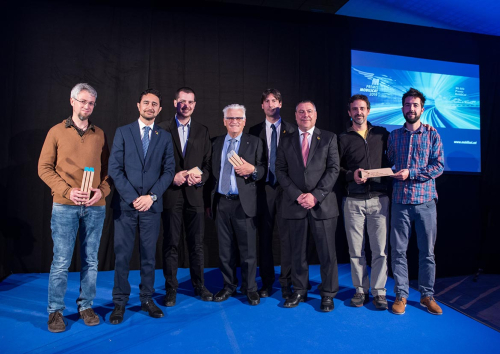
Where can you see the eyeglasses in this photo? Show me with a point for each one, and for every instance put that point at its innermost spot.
(84, 103)
(234, 118)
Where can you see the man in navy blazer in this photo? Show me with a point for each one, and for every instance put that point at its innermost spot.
(142, 167)
(234, 203)
(307, 166)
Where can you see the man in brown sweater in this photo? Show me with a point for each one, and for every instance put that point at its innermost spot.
(69, 147)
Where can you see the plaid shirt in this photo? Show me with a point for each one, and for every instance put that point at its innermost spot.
(421, 152)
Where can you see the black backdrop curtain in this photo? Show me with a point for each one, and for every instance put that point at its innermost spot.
(228, 54)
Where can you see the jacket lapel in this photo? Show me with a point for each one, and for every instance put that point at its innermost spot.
(314, 144)
(175, 136)
(296, 146)
(136, 135)
(155, 136)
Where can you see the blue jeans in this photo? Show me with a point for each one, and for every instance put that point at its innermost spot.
(425, 218)
(66, 221)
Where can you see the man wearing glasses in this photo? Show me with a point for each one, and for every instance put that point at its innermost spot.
(234, 202)
(183, 200)
(69, 148)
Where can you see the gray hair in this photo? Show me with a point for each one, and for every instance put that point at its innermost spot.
(305, 101)
(234, 106)
(81, 87)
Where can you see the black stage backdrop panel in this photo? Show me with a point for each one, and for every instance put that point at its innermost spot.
(228, 54)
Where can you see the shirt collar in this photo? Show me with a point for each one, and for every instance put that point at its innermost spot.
(418, 131)
(310, 131)
(69, 123)
(277, 124)
(142, 125)
(228, 137)
(179, 124)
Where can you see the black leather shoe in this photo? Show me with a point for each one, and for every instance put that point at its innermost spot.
(204, 293)
(170, 297)
(253, 298)
(116, 316)
(223, 295)
(265, 291)
(295, 299)
(286, 292)
(326, 303)
(151, 308)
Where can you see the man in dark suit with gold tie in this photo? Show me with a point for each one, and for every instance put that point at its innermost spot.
(271, 131)
(234, 203)
(183, 200)
(307, 167)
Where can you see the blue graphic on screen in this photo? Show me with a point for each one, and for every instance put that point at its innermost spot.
(452, 100)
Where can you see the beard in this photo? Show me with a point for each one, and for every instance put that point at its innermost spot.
(147, 117)
(359, 119)
(412, 120)
(82, 117)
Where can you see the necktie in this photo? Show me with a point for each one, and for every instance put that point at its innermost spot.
(272, 157)
(305, 148)
(225, 183)
(145, 140)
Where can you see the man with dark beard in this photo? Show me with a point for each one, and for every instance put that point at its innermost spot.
(142, 167)
(363, 146)
(417, 153)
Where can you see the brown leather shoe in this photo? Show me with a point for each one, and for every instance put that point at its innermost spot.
(89, 317)
(56, 322)
(398, 307)
(431, 305)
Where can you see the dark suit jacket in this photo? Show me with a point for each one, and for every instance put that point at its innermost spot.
(132, 174)
(259, 130)
(252, 150)
(198, 153)
(318, 177)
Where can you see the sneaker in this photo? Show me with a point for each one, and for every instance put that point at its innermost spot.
(398, 307)
(56, 322)
(431, 305)
(359, 299)
(380, 302)
(89, 317)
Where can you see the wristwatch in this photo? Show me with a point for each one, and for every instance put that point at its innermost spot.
(154, 197)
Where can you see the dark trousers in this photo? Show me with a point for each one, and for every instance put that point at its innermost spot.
(270, 215)
(236, 233)
(323, 232)
(126, 223)
(194, 225)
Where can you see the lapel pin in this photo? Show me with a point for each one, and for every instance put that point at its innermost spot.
(156, 132)
(318, 138)
(284, 131)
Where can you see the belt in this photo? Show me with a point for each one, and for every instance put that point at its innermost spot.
(230, 196)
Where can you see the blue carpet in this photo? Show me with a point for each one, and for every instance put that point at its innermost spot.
(193, 326)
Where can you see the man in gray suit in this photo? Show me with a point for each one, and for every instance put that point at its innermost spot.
(307, 167)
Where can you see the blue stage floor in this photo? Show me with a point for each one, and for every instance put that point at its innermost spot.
(193, 326)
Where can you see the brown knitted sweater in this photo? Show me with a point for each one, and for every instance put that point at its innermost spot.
(64, 156)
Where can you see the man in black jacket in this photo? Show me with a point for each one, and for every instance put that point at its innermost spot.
(364, 146)
(183, 200)
(271, 131)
